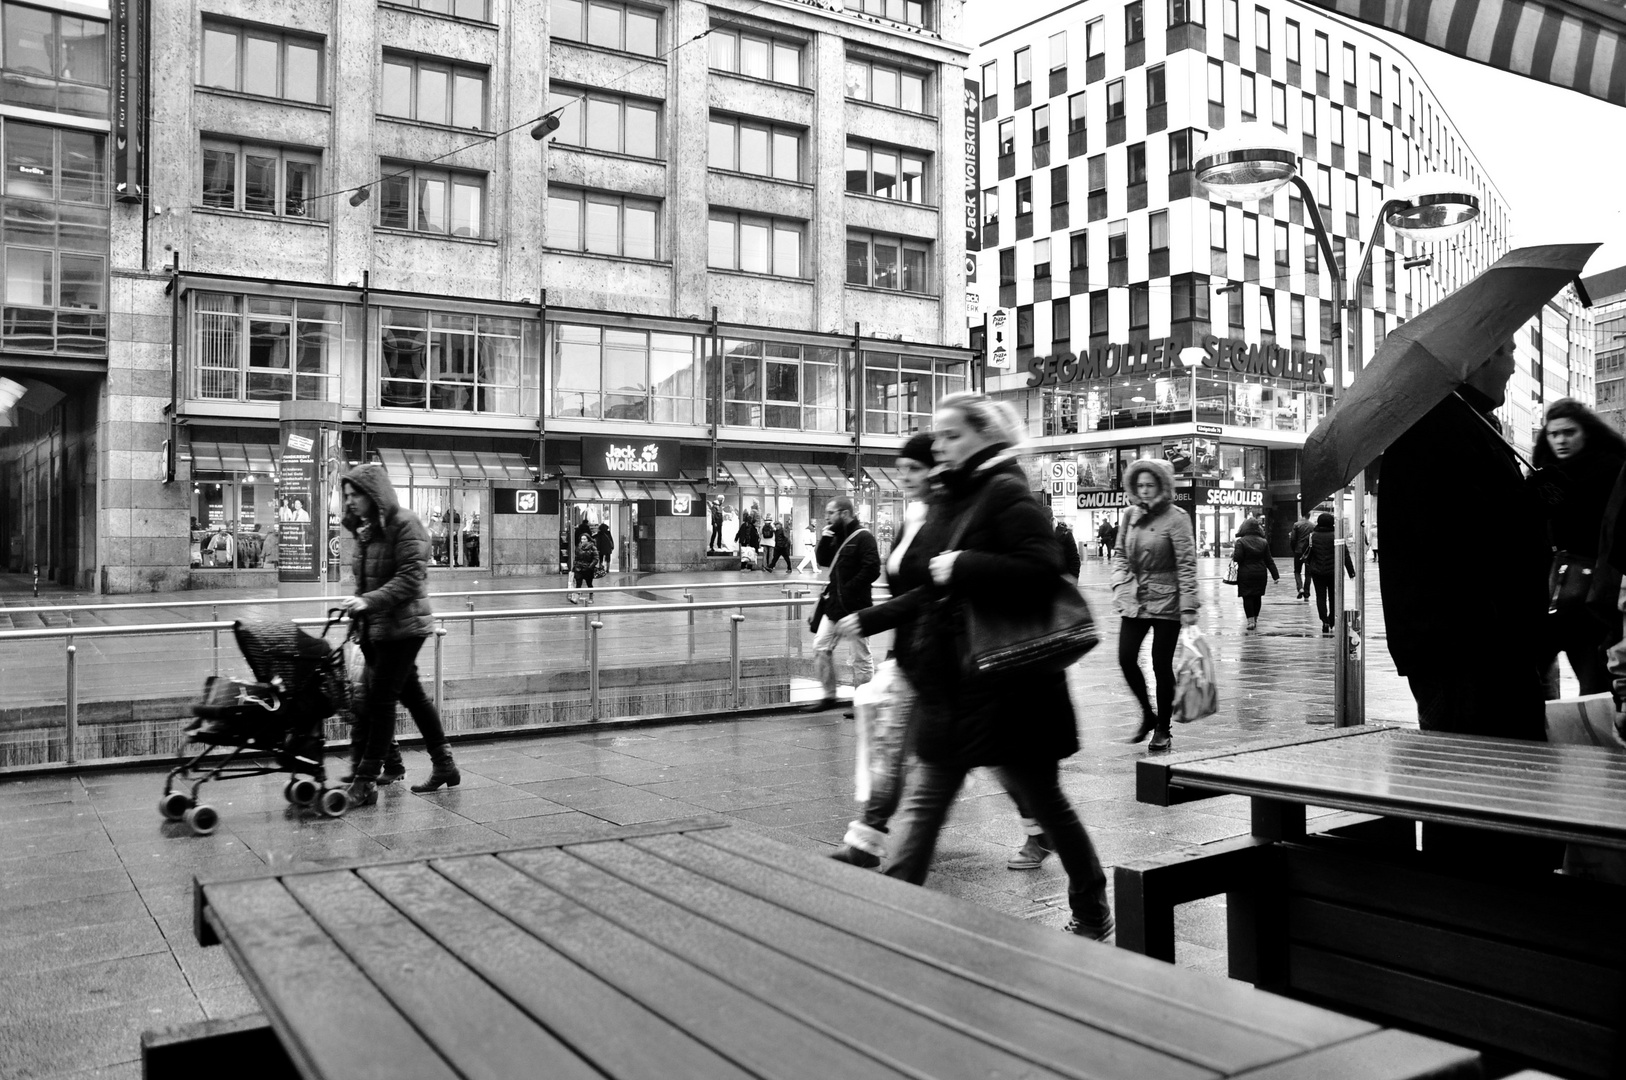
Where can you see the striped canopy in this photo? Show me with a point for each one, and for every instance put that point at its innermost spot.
(1578, 44)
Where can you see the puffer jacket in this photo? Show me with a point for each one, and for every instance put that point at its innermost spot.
(1253, 560)
(1154, 565)
(391, 563)
(1321, 560)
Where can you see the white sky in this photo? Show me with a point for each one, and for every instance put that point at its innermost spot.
(1558, 157)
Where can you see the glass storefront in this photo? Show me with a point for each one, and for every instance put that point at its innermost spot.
(1206, 396)
(453, 513)
(234, 521)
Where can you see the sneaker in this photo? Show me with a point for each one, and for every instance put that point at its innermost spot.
(571, 597)
(855, 857)
(1094, 933)
(1030, 855)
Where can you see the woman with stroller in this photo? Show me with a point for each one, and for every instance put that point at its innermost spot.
(1154, 584)
(1253, 561)
(1019, 726)
(391, 607)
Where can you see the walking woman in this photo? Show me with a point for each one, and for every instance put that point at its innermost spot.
(1321, 563)
(1154, 584)
(1588, 456)
(391, 604)
(1251, 554)
(1019, 726)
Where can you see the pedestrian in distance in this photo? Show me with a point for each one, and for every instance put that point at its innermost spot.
(1107, 534)
(1299, 543)
(606, 547)
(391, 568)
(1154, 585)
(770, 550)
(747, 540)
(854, 559)
(584, 567)
(781, 543)
(1251, 553)
(1321, 563)
(715, 543)
(1019, 725)
(1072, 560)
(1587, 456)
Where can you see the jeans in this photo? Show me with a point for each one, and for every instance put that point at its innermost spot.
(824, 657)
(771, 554)
(392, 676)
(1323, 597)
(1301, 587)
(1037, 787)
(716, 541)
(1251, 606)
(1165, 637)
(585, 581)
(1581, 638)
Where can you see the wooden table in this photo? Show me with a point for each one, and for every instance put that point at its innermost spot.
(1346, 911)
(692, 949)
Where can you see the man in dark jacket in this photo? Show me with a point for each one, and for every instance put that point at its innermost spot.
(1299, 544)
(854, 559)
(1108, 535)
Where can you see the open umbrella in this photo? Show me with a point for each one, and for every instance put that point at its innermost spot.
(1430, 356)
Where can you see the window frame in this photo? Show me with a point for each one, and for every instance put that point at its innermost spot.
(241, 32)
(903, 73)
(417, 65)
(590, 196)
(774, 132)
(415, 176)
(240, 149)
(905, 244)
(564, 98)
(901, 154)
(558, 27)
(773, 228)
(774, 44)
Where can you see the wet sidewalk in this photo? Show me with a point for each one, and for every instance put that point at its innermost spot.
(95, 887)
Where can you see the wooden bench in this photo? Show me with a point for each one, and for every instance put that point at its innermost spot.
(1352, 915)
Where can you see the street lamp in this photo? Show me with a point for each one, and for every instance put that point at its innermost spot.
(1250, 162)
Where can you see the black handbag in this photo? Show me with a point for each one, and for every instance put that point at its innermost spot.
(1569, 583)
(1045, 636)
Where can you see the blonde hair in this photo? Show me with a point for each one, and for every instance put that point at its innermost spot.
(998, 420)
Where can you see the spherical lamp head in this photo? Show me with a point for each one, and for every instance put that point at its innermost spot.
(1434, 206)
(1246, 162)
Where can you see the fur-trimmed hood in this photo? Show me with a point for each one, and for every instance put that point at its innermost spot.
(1165, 480)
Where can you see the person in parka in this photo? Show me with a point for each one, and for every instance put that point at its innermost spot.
(1321, 562)
(1154, 585)
(391, 568)
(1251, 553)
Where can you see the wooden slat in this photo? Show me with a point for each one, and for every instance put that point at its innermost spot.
(1209, 1021)
(969, 1019)
(1428, 1003)
(330, 1018)
(577, 1006)
(1156, 781)
(473, 1026)
(721, 931)
(1382, 1055)
(761, 1040)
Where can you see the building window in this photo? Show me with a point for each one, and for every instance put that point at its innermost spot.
(1156, 93)
(1181, 12)
(1297, 325)
(1336, 127)
(1250, 236)
(1058, 51)
(1188, 298)
(1024, 67)
(1250, 101)
(910, 12)
(882, 84)
(1041, 125)
(1024, 195)
(887, 262)
(1134, 22)
(1267, 312)
(607, 122)
(756, 245)
(1058, 186)
(1349, 64)
(887, 172)
(1137, 163)
(55, 62)
(1115, 100)
(1140, 306)
(245, 59)
(1157, 229)
(1095, 38)
(621, 27)
(625, 374)
(1007, 267)
(756, 57)
(1181, 144)
(990, 80)
(1278, 105)
(1076, 116)
(431, 200)
(1078, 259)
(901, 390)
(261, 348)
(260, 179)
(1216, 83)
(1308, 115)
(1290, 41)
(1216, 227)
(741, 146)
(1321, 59)
(1261, 29)
(433, 92)
(1233, 308)
(1061, 323)
(990, 208)
(453, 362)
(1041, 259)
(603, 223)
(1118, 241)
(1279, 231)
(462, 9)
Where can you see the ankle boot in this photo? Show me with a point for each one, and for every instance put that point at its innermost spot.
(443, 771)
(1161, 742)
(394, 768)
(1148, 723)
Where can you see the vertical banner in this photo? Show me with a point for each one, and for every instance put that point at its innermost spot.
(127, 98)
(300, 507)
(973, 179)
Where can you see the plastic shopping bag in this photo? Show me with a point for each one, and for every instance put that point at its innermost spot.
(1195, 692)
(1588, 720)
(881, 708)
(355, 673)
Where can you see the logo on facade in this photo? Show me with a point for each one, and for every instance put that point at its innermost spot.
(527, 502)
(1232, 497)
(645, 458)
(681, 505)
(1102, 500)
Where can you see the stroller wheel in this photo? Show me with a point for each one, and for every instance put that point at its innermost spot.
(173, 804)
(333, 802)
(301, 792)
(202, 820)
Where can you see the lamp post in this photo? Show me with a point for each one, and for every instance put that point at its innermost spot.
(1251, 162)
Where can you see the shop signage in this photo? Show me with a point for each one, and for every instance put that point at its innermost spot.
(973, 177)
(682, 505)
(524, 501)
(1232, 497)
(127, 97)
(527, 502)
(998, 338)
(1064, 478)
(1161, 356)
(639, 459)
(1102, 500)
(1210, 429)
(297, 545)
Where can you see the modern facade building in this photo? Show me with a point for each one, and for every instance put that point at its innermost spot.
(1608, 293)
(724, 272)
(1146, 320)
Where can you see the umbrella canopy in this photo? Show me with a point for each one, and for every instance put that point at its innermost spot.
(1430, 356)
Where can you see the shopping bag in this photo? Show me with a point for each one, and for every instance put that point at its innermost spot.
(881, 708)
(355, 673)
(1230, 573)
(1588, 720)
(1195, 692)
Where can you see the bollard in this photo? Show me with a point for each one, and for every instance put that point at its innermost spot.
(592, 670)
(214, 616)
(734, 656)
(470, 603)
(440, 665)
(70, 737)
(36, 579)
(688, 598)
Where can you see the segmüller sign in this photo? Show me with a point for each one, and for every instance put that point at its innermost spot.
(1161, 356)
(630, 459)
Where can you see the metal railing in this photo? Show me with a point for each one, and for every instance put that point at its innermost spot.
(520, 679)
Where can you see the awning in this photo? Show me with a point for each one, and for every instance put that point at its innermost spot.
(1576, 44)
(231, 457)
(586, 489)
(783, 476)
(424, 466)
(884, 479)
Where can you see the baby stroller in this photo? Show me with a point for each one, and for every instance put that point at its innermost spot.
(300, 682)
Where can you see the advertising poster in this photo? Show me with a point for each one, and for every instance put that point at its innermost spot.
(298, 556)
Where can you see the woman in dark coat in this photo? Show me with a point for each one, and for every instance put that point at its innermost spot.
(392, 607)
(1251, 554)
(606, 547)
(1019, 726)
(1321, 562)
(1588, 456)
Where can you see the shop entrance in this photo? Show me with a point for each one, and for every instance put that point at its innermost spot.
(622, 518)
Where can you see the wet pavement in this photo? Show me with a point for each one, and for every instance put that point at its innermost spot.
(95, 887)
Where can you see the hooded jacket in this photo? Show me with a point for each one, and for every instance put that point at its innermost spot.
(1321, 558)
(1154, 564)
(1253, 559)
(391, 564)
